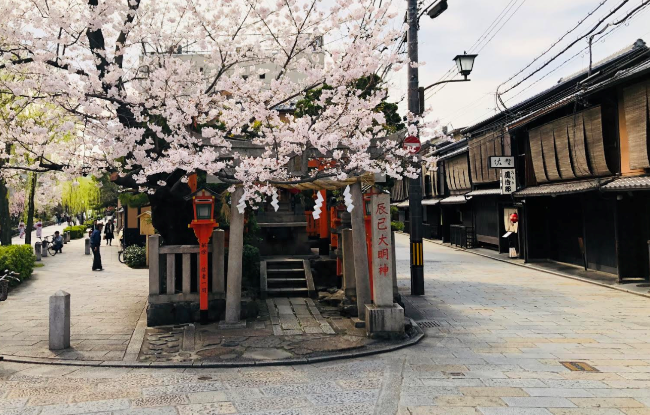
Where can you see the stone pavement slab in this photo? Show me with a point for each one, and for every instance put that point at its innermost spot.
(105, 306)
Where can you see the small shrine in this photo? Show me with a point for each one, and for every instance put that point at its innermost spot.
(325, 234)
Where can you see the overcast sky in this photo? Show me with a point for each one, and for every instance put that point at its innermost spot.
(532, 29)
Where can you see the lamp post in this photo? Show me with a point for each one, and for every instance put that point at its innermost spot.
(465, 64)
(203, 224)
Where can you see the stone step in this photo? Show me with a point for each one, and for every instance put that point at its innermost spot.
(282, 260)
(286, 290)
(277, 280)
(287, 276)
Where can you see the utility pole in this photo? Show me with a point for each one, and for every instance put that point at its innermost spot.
(415, 186)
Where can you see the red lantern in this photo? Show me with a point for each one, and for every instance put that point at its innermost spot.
(514, 218)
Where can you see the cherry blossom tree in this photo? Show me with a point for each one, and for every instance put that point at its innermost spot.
(109, 73)
(17, 203)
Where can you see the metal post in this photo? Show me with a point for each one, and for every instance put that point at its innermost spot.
(415, 187)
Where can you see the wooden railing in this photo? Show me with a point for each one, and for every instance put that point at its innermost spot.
(163, 276)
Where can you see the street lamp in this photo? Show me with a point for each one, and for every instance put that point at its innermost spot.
(465, 63)
(437, 10)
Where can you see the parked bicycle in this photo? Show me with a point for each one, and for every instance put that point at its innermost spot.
(4, 283)
(48, 245)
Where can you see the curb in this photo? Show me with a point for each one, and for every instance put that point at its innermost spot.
(547, 271)
(193, 365)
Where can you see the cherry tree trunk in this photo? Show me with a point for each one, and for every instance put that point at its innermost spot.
(171, 213)
(30, 210)
(5, 219)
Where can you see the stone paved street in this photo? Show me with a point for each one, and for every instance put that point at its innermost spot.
(105, 306)
(496, 334)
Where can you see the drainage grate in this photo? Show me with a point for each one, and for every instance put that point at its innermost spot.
(428, 324)
(579, 367)
(454, 374)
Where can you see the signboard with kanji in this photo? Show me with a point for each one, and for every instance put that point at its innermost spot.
(508, 181)
(382, 261)
(502, 162)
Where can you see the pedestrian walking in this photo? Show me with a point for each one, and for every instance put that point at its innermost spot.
(21, 229)
(109, 232)
(39, 228)
(95, 243)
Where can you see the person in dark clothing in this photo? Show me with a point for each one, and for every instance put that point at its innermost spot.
(57, 242)
(95, 243)
(109, 232)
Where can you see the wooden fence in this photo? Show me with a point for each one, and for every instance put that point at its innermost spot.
(163, 275)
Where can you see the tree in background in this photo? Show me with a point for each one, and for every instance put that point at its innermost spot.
(311, 104)
(80, 195)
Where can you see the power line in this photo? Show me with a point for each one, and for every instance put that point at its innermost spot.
(559, 96)
(450, 71)
(571, 58)
(548, 62)
(580, 22)
(489, 31)
(630, 15)
(502, 26)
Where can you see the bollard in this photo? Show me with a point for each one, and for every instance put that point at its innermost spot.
(60, 320)
(44, 249)
(87, 250)
(37, 250)
(66, 237)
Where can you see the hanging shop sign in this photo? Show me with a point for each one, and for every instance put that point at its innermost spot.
(502, 162)
(508, 181)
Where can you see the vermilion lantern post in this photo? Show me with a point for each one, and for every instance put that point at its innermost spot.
(203, 225)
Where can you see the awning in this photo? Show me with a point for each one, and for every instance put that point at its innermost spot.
(484, 192)
(628, 183)
(454, 200)
(430, 202)
(453, 153)
(403, 204)
(562, 188)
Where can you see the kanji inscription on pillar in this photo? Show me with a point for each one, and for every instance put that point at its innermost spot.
(203, 276)
(382, 262)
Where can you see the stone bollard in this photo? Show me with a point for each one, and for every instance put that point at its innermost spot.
(37, 250)
(44, 250)
(66, 237)
(87, 249)
(60, 320)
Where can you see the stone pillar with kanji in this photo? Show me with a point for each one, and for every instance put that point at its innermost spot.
(383, 316)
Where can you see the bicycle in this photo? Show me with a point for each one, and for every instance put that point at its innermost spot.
(47, 244)
(4, 283)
